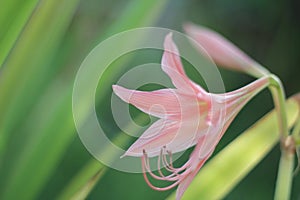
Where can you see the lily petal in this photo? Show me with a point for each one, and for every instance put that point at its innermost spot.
(236, 99)
(222, 51)
(175, 136)
(196, 165)
(164, 103)
(171, 65)
(226, 107)
(154, 139)
(159, 103)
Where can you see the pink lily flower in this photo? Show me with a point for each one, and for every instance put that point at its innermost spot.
(222, 51)
(188, 116)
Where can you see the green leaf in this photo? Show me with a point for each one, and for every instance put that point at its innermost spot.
(42, 150)
(224, 171)
(46, 143)
(11, 27)
(28, 67)
(137, 16)
(82, 178)
(86, 189)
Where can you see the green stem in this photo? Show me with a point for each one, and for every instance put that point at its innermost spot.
(278, 95)
(285, 176)
(279, 101)
(286, 165)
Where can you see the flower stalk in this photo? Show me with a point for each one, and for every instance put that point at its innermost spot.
(285, 171)
(278, 94)
(286, 163)
(289, 146)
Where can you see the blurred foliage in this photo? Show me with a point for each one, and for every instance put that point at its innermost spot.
(42, 44)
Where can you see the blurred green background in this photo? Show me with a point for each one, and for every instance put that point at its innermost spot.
(42, 44)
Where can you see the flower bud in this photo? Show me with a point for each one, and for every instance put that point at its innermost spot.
(222, 51)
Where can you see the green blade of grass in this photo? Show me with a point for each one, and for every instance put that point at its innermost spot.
(58, 131)
(20, 83)
(150, 10)
(28, 67)
(6, 8)
(223, 172)
(38, 158)
(86, 189)
(82, 179)
(11, 27)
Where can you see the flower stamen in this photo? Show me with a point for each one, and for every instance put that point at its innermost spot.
(146, 168)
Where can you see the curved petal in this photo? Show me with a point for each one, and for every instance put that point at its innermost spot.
(171, 65)
(225, 109)
(171, 61)
(222, 51)
(175, 136)
(159, 103)
(212, 138)
(164, 103)
(236, 99)
(154, 139)
(196, 164)
(186, 181)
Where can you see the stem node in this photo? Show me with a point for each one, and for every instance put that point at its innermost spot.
(288, 145)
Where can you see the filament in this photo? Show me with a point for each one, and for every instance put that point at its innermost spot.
(175, 176)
